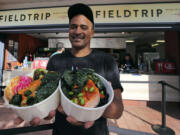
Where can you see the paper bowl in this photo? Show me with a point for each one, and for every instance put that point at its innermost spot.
(40, 109)
(84, 113)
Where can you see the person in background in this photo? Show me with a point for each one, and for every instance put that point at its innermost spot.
(60, 49)
(81, 30)
(127, 62)
(140, 63)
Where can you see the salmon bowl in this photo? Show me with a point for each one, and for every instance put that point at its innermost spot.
(92, 107)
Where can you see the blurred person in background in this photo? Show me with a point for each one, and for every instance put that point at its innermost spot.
(127, 63)
(60, 49)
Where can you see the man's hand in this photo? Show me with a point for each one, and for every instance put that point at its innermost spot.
(73, 121)
(36, 121)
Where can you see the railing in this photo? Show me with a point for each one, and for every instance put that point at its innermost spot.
(160, 129)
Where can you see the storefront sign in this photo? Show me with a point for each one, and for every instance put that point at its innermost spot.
(125, 13)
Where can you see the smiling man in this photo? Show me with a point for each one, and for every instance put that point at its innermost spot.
(81, 30)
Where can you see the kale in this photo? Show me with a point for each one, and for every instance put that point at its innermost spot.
(51, 76)
(27, 93)
(16, 100)
(48, 85)
(68, 77)
(31, 100)
(96, 80)
(80, 79)
(38, 73)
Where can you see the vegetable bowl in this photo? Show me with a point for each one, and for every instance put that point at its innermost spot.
(33, 97)
(80, 97)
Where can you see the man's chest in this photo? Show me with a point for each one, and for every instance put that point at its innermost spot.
(72, 63)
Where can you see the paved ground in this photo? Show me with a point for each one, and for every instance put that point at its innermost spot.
(137, 119)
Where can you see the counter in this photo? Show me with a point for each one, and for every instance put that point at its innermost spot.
(9, 74)
(149, 92)
(132, 91)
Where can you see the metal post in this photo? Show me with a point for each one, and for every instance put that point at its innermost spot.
(163, 105)
(162, 129)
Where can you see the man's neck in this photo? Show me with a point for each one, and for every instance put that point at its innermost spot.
(82, 52)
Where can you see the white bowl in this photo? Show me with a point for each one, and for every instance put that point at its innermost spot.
(84, 113)
(40, 109)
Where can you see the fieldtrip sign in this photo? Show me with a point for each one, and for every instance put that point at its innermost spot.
(144, 13)
(125, 13)
(137, 13)
(24, 17)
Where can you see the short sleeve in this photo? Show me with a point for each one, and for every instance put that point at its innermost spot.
(112, 73)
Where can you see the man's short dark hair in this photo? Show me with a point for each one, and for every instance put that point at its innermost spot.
(80, 9)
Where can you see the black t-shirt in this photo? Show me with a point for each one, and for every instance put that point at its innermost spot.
(104, 65)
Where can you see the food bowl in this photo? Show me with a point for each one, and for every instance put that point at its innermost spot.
(40, 109)
(84, 114)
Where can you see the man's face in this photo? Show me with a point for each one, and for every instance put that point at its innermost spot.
(80, 32)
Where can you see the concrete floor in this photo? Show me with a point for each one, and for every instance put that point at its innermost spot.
(137, 119)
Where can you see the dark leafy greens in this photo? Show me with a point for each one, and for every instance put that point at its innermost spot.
(48, 85)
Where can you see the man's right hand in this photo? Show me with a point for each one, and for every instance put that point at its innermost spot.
(73, 121)
(36, 121)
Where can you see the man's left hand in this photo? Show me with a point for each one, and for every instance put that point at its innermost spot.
(73, 121)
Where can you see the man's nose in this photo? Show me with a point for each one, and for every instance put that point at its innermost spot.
(78, 30)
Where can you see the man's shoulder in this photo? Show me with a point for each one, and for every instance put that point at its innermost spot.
(61, 55)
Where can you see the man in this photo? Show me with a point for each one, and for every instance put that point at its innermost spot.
(81, 30)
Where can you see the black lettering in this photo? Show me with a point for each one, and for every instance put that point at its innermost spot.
(22, 17)
(1, 17)
(15, 18)
(5, 18)
(152, 13)
(10, 18)
(104, 14)
(42, 16)
(127, 13)
(144, 13)
(135, 12)
(159, 11)
(118, 15)
(36, 16)
(29, 15)
(111, 13)
(47, 15)
(97, 13)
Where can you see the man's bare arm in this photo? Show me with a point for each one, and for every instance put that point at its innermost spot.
(115, 109)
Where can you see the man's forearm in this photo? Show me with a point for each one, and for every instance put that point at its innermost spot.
(115, 109)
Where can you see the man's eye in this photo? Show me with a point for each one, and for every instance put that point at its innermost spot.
(73, 26)
(84, 27)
